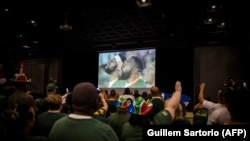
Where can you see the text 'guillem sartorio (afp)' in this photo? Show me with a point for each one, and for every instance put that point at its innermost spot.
(223, 132)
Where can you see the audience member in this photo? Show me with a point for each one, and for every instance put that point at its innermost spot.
(111, 101)
(136, 93)
(51, 89)
(237, 98)
(20, 96)
(200, 115)
(140, 109)
(121, 116)
(180, 118)
(100, 114)
(145, 95)
(132, 130)
(85, 102)
(19, 121)
(128, 94)
(46, 120)
(217, 112)
(157, 101)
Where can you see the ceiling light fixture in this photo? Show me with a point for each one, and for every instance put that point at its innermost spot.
(210, 20)
(26, 46)
(66, 26)
(213, 8)
(143, 3)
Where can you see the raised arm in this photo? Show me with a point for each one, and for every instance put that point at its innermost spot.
(201, 93)
(172, 103)
(103, 100)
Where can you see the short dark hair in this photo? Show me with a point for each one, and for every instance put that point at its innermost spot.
(138, 62)
(126, 91)
(112, 93)
(85, 98)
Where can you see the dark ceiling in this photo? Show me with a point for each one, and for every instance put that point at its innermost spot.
(110, 24)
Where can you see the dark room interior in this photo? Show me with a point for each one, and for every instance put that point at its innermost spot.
(198, 40)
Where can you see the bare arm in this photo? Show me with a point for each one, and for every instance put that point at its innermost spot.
(104, 102)
(201, 93)
(172, 103)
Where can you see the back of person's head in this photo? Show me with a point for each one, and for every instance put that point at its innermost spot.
(54, 102)
(184, 110)
(112, 93)
(19, 117)
(85, 98)
(221, 96)
(145, 95)
(230, 82)
(106, 91)
(51, 87)
(126, 91)
(155, 91)
(179, 112)
(136, 93)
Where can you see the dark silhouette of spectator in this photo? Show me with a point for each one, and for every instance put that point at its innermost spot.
(136, 93)
(121, 116)
(236, 99)
(157, 101)
(145, 95)
(111, 101)
(18, 121)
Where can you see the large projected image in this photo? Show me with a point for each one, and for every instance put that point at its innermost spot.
(130, 68)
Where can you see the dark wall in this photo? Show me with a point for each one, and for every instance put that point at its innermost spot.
(79, 67)
(175, 64)
(214, 64)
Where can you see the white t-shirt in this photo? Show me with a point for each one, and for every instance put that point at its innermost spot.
(217, 113)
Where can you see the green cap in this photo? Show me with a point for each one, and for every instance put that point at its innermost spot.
(51, 86)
